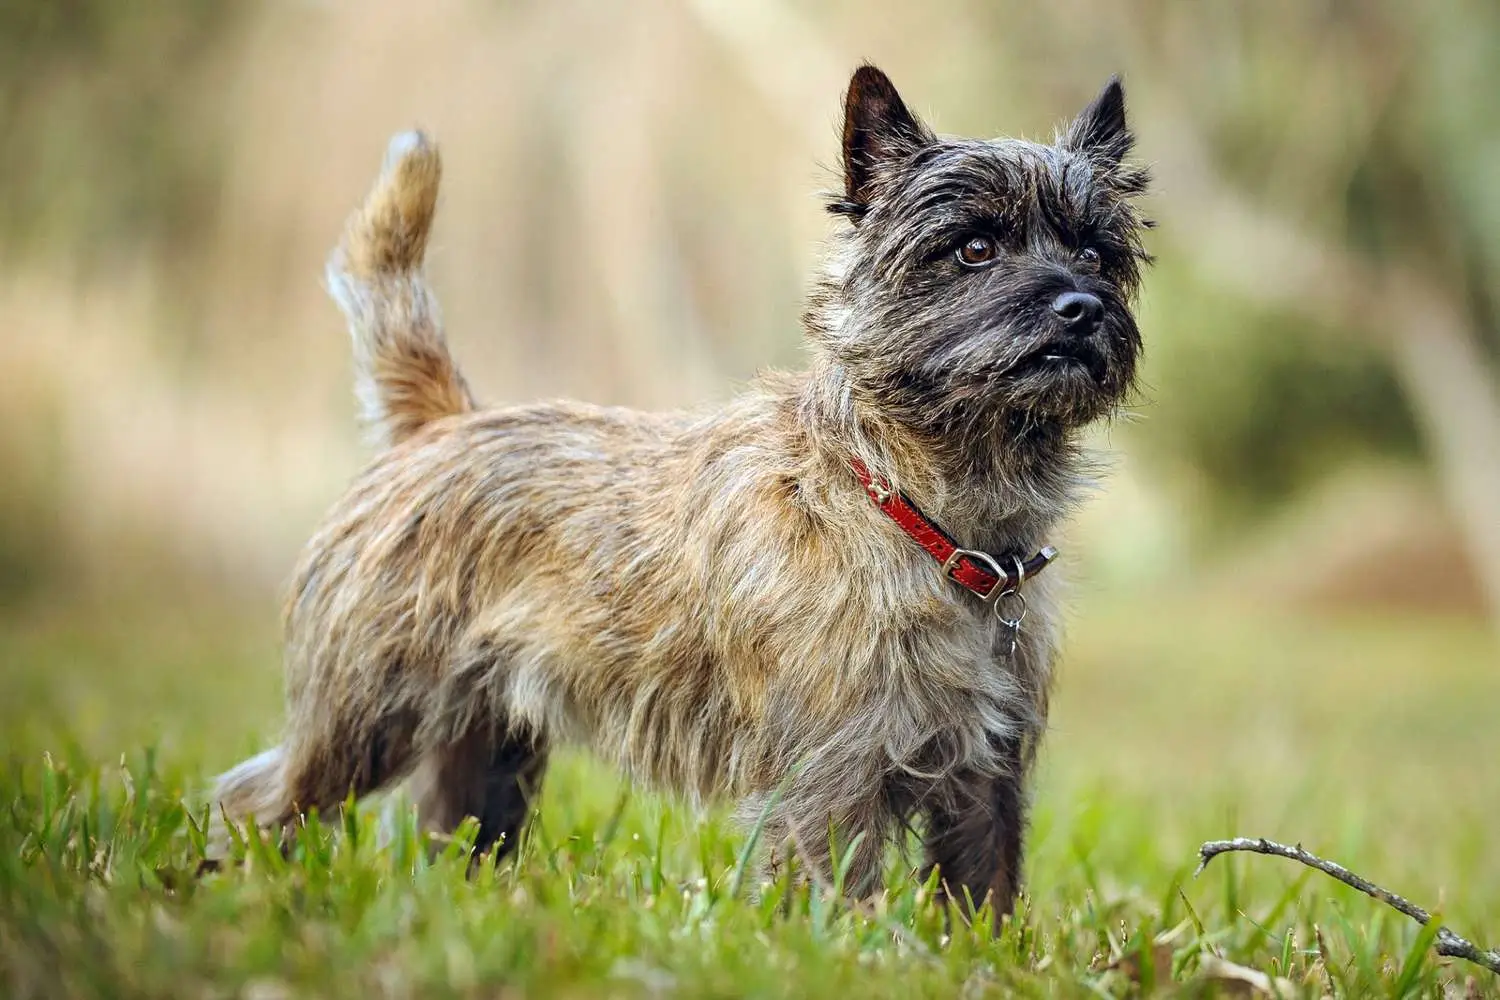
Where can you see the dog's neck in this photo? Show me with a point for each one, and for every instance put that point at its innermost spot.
(1002, 493)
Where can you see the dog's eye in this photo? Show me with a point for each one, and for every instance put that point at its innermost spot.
(977, 251)
(1089, 258)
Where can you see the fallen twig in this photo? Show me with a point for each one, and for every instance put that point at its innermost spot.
(1447, 943)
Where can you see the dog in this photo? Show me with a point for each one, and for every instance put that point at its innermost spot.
(824, 601)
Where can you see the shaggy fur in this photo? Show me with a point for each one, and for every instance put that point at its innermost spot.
(711, 601)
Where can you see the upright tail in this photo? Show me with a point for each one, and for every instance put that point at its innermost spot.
(404, 375)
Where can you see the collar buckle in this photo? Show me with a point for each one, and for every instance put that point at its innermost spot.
(1003, 579)
(980, 573)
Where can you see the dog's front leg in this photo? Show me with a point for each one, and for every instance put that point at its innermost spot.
(974, 839)
(836, 845)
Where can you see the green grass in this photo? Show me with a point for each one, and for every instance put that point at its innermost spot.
(1370, 741)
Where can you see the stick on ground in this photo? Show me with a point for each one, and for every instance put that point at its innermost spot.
(1447, 943)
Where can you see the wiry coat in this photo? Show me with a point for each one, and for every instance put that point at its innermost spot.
(709, 600)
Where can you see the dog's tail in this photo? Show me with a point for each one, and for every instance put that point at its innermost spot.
(404, 375)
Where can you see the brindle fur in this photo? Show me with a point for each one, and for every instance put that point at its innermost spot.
(710, 600)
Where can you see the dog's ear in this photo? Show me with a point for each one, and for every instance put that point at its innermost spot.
(1099, 131)
(877, 128)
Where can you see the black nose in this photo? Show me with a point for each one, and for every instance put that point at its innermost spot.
(1079, 311)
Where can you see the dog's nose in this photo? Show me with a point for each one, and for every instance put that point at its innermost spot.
(1079, 311)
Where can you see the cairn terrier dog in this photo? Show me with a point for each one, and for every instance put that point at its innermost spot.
(820, 601)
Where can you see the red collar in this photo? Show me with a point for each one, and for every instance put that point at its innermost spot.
(980, 573)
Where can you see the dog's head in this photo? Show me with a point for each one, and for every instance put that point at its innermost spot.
(983, 283)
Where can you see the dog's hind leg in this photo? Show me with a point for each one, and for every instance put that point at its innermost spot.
(487, 773)
(339, 748)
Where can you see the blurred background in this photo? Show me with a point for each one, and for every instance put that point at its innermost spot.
(631, 215)
(1296, 556)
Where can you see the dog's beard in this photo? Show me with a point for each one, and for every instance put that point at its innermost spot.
(979, 375)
